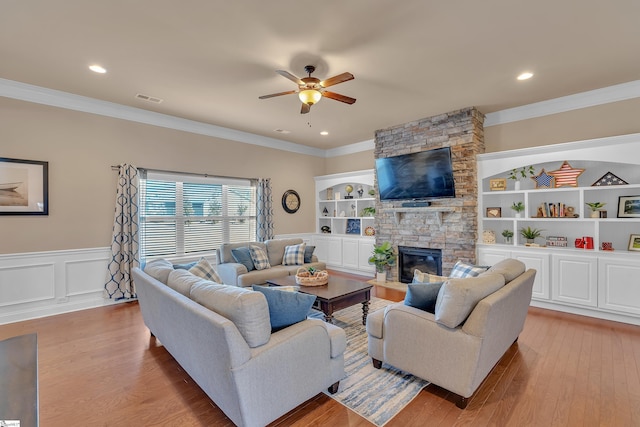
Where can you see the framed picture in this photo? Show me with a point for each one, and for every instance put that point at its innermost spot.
(634, 242)
(353, 226)
(24, 187)
(629, 207)
(494, 212)
(498, 184)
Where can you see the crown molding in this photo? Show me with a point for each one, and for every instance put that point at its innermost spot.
(358, 147)
(563, 104)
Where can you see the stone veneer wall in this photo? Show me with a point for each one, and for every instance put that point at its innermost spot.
(463, 131)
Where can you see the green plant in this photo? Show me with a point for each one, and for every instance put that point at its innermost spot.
(507, 233)
(368, 211)
(521, 173)
(517, 206)
(382, 256)
(530, 233)
(372, 192)
(311, 270)
(595, 206)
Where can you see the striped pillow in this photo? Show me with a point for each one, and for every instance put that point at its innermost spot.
(259, 258)
(462, 270)
(294, 254)
(205, 270)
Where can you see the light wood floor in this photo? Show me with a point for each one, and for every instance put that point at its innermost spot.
(100, 367)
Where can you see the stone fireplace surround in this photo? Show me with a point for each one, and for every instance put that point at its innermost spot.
(456, 234)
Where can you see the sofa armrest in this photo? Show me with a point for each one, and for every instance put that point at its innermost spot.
(229, 272)
(337, 338)
(375, 321)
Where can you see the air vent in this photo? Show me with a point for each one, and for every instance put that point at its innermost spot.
(148, 98)
(282, 131)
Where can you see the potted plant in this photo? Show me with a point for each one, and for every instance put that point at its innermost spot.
(518, 174)
(530, 233)
(507, 234)
(382, 257)
(518, 207)
(368, 211)
(595, 208)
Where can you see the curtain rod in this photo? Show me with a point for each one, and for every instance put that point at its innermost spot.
(206, 175)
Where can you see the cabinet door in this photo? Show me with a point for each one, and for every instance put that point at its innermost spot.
(364, 252)
(619, 285)
(540, 263)
(575, 279)
(492, 256)
(350, 256)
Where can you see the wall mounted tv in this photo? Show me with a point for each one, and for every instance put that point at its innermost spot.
(423, 175)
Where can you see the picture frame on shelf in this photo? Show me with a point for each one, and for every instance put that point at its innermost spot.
(353, 226)
(498, 184)
(629, 207)
(634, 242)
(494, 212)
(24, 187)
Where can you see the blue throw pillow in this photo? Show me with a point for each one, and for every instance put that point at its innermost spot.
(423, 296)
(285, 308)
(243, 256)
(308, 254)
(184, 266)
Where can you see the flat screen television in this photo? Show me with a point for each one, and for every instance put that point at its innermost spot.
(423, 175)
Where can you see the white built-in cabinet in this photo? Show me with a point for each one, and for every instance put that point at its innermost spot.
(592, 282)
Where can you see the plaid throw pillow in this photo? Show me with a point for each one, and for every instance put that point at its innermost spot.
(205, 270)
(259, 258)
(420, 277)
(294, 255)
(462, 270)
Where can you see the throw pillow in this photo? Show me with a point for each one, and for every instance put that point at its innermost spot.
(308, 254)
(285, 308)
(420, 277)
(243, 256)
(423, 296)
(205, 270)
(463, 269)
(184, 266)
(294, 254)
(259, 258)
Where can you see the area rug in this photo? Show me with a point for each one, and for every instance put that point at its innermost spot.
(391, 285)
(376, 394)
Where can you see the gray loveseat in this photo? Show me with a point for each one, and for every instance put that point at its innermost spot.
(234, 273)
(252, 374)
(455, 357)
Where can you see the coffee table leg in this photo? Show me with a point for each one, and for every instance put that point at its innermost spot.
(365, 312)
(327, 309)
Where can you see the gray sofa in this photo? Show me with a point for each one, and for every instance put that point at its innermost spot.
(233, 273)
(455, 357)
(253, 375)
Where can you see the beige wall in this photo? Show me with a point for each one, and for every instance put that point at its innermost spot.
(350, 162)
(81, 148)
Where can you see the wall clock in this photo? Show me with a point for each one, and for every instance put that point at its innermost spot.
(290, 201)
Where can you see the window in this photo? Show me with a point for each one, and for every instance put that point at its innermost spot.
(184, 214)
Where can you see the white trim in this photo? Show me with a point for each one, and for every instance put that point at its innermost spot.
(563, 104)
(358, 147)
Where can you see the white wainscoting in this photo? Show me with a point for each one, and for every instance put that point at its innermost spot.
(42, 284)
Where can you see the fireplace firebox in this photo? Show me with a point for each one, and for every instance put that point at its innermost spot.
(426, 260)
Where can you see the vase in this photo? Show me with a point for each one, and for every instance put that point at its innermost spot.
(381, 276)
(516, 185)
(507, 240)
(518, 215)
(595, 214)
(530, 240)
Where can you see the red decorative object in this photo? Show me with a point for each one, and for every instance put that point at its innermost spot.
(566, 175)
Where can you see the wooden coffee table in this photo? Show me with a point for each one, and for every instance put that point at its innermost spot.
(339, 293)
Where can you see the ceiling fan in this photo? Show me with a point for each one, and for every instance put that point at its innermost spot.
(311, 90)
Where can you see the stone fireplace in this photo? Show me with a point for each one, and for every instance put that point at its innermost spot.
(426, 260)
(454, 233)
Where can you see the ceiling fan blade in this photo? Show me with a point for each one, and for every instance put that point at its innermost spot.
(344, 77)
(289, 92)
(290, 76)
(338, 97)
(305, 108)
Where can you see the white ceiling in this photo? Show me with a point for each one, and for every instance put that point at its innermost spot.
(209, 60)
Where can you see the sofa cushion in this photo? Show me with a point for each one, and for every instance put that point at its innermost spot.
(181, 281)
(242, 255)
(159, 269)
(205, 270)
(259, 258)
(510, 268)
(294, 254)
(423, 296)
(285, 308)
(247, 309)
(308, 253)
(458, 297)
(462, 269)
(420, 277)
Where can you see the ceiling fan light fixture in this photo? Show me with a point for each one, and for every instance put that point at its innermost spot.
(309, 96)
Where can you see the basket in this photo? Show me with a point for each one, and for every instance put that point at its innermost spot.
(318, 278)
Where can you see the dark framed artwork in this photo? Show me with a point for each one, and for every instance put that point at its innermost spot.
(24, 187)
(629, 207)
(353, 226)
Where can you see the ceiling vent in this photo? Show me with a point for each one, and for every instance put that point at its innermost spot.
(149, 98)
(282, 131)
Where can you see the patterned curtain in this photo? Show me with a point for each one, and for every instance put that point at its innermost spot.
(265, 210)
(124, 244)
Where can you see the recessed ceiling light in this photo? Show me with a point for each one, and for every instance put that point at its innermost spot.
(97, 69)
(525, 76)
(324, 133)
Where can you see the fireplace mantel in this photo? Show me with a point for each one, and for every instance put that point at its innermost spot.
(437, 210)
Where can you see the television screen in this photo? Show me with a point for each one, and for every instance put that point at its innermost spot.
(423, 175)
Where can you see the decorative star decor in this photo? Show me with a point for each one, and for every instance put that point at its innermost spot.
(609, 179)
(543, 180)
(566, 175)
